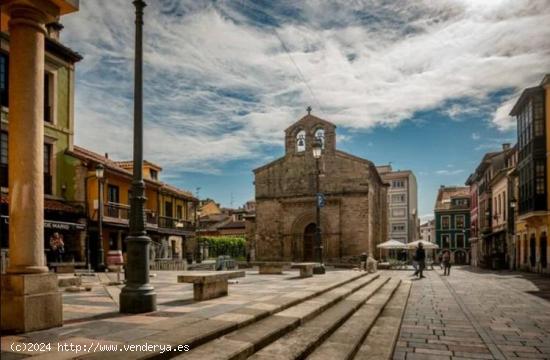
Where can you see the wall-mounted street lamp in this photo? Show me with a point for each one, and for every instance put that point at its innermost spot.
(317, 149)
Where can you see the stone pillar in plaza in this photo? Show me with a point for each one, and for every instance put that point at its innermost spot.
(30, 299)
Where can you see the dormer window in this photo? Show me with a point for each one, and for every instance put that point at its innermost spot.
(154, 174)
(320, 135)
(301, 141)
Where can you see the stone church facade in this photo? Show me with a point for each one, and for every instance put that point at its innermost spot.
(354, 218)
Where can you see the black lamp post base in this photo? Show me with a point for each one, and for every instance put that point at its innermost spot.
(319, 269)
(137, 301)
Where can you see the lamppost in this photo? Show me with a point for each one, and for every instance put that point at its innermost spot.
(138, 296)
(512, 231)
(99, 173)
(317, 148)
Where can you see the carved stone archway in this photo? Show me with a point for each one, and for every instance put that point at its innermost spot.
(298, 228)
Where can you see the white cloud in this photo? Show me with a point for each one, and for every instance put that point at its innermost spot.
(501, 118)
(219, 87)
(448, 172)
(475, 136)
(426, 217)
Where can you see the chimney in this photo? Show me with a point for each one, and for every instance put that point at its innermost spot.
(106, 155)
(54, 29)
(505, 146)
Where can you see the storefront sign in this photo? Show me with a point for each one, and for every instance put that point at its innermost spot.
(56, 225)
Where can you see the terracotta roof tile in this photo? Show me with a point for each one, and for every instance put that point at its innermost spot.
(445, 194)
(49, 204)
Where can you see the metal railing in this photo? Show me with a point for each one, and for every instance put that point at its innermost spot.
(173, 223)
(168, 264)
(116, 211)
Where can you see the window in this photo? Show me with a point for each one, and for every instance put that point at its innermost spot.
(179, 212)
(398, 184)
(446, 222)
(398, 198)
(154, 174)
(459, 221)
(4, 159)
(398, 212)
(301, 141)
(48, 97)
(168, 209)
(445, 241)
(459, 239)
(461, 202)
(4, 93)
(320, 134)
(398, 227)
(113, 194)
(539, 174)
(538, 115)
(47, 169)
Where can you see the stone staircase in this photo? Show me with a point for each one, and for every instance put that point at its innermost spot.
(359, 319)
(355, 318)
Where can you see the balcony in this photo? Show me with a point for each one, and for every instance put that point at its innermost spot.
(116, 213)
(177, 225)
(120, 214)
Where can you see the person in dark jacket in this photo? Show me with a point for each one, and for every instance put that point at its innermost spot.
(446, 263)
(420, 258)
(363, 259)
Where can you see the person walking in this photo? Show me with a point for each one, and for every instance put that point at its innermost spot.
(446, 263)
(363, 261)
(420, 258)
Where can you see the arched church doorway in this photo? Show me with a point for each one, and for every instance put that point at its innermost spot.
(309, 242)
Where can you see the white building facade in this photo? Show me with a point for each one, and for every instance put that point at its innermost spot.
(427, 231)
(403, 219)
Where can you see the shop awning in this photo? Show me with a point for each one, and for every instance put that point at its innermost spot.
(54, 224)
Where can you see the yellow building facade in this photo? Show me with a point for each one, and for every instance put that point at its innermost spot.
(170, 212)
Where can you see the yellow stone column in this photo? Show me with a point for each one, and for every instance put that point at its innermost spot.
(30, 298)
(26, 140)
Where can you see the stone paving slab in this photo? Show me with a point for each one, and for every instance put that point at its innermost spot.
(476, 314)
(93, 317)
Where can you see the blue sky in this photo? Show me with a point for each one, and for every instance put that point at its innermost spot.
(425, 85)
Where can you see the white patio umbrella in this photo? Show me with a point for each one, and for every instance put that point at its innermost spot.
(426, 244)
(391, 245)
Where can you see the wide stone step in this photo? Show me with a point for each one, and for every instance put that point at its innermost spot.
(244, 342)
(302, 341)
(381, 340)
(346, 340)
(197, 330)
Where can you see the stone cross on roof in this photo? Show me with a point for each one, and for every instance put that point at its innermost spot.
(308, 110)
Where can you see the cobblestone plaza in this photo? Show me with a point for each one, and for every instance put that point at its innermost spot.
(468, 315)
